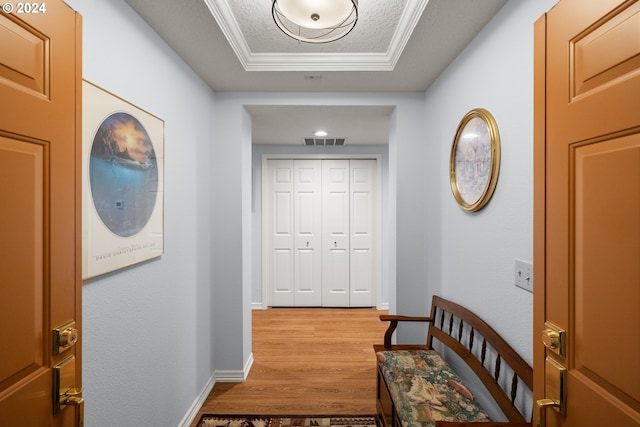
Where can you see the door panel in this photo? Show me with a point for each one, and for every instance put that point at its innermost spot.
(40, 154)
(361, 221)
(24, 349)
(308, 226)
(280, 257)
(26, 72)
(587, 207)
(607, 253)
(21, 173)
(282, 277)
(335, 230)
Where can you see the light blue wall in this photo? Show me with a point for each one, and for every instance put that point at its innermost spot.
(477, 250)
(148, 330)
(230, 172)
(233, 276)
(158, 334)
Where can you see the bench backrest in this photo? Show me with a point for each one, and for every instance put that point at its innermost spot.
(483, 350)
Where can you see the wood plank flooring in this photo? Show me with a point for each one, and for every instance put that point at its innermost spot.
(307, 361)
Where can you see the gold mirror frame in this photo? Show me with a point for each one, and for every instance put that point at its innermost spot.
(475, 160)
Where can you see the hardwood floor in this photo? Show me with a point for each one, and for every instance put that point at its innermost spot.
(307, 361)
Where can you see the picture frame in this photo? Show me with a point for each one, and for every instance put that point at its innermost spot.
(122, 183)
(474, 162)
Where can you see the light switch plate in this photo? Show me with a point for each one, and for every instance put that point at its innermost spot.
(524, 275)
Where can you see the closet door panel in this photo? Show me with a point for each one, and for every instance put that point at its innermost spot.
(361, 235)
(335, 232)
(280, 258)
(307, 228)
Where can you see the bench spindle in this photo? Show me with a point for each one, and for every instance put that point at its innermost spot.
(514, 388)
(483, 354)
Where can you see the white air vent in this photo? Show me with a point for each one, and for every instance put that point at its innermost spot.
(324, 141)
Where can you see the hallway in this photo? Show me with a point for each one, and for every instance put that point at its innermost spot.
(308, 361)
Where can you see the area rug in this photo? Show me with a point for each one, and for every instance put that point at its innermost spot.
(287, 421)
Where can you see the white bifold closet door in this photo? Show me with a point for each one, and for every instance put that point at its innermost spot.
(321, 231)
(361, 230)
(335, 233)
(294, 260)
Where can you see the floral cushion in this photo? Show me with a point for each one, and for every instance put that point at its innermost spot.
(424, 389)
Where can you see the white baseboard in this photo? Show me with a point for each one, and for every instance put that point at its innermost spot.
(218, 376)
(260, 306)
(195, 407)
(235, 376)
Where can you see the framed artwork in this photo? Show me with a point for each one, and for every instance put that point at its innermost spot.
(475, 160)
(122, 183)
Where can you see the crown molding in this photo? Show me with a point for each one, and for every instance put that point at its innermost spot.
(250, 61)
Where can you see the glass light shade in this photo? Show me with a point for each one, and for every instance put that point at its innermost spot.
(329, 13)
(315, 21)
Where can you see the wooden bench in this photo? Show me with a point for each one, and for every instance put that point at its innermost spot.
(416, 388)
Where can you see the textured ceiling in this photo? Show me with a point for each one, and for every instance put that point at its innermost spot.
(396, 46)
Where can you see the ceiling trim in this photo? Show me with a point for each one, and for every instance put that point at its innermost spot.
(250, 61)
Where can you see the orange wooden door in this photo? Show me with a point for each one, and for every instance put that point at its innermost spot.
(40, 252)
(587, 212)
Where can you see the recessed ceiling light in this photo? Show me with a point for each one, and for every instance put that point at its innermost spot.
(320, 133)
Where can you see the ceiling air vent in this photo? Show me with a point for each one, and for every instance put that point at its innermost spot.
(324, 141)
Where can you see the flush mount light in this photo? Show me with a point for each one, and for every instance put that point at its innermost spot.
(313, 21)
(320, 133)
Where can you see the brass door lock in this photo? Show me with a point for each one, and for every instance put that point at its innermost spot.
(553, 338)
(64, 337)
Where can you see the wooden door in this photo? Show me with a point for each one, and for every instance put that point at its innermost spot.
(335, 231)
(587, 213)
(40, 266)
(361, 226)
(307, 229)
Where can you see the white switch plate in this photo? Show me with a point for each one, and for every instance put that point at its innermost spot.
(524, 275)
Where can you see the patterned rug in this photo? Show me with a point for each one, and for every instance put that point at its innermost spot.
(286, 421)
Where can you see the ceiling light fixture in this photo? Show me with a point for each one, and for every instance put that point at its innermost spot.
(313, 21)
(320, 133)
